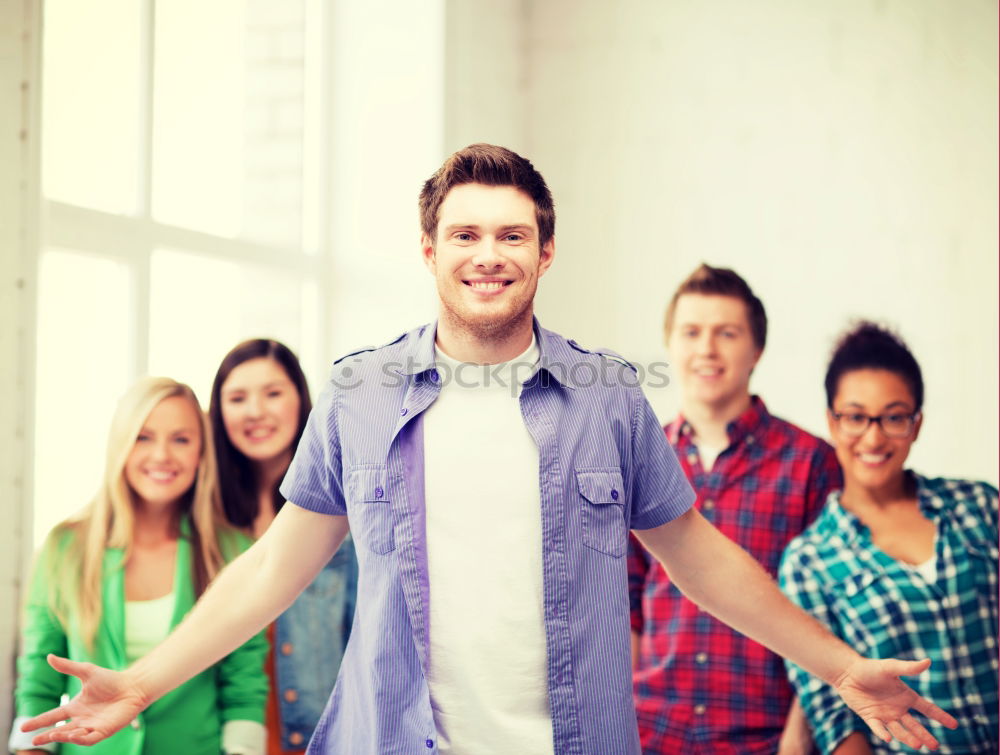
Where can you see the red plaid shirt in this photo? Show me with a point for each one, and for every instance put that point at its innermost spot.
(701, 687)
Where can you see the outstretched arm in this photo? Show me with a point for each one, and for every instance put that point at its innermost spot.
(725, 580)
(249, 594)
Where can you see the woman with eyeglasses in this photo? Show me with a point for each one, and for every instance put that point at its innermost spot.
(897, 564)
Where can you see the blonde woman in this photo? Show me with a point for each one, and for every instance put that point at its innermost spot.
(112, 582)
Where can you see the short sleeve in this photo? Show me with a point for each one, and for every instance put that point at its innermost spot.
(660, 491)
(314, 479)
(829, 717)
(824, 477)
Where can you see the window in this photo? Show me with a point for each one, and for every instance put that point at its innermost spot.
(180, 187)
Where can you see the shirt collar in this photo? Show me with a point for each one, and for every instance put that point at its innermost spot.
(419, 351)
(844, 522)
(931, 504)
(851, 526)
(748, 425)
(555, 356)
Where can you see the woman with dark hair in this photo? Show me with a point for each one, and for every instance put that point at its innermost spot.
(259, 406)
(897, 564)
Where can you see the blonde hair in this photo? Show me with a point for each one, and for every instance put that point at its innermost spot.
(108, 520)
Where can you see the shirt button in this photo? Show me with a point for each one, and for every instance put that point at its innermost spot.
(135, 724)
(699, 709)
(692, 458)
(379, 492)
(614, 494)
(429, 743)
(291, 695)
(701, 657)
(749, 440)
(295, 738)
(403, 412)
(708, 505)
(434, 378)
(286, 648)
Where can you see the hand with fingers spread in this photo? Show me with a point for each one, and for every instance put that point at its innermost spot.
(108, 701)
(876, 693)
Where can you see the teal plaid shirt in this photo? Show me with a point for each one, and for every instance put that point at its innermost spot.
(884, 609)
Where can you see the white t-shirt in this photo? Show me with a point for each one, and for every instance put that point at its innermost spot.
(488, 680)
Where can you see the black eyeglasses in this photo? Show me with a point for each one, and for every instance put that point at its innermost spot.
(894, 425)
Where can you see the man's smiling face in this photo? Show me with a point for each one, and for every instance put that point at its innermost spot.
(487, 259)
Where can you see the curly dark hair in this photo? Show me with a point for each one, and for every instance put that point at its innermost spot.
(868, 346)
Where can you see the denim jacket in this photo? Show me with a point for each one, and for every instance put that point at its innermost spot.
(310, 638)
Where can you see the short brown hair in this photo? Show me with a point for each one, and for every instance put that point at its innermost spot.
(721, 281)
(493, 166)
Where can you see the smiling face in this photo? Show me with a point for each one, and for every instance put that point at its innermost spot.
(873, 460)
(713, 351)
(487, 260)
(163, 462)
(260, 410)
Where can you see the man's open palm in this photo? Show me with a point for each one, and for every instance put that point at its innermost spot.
(106, 703)
(875, 692)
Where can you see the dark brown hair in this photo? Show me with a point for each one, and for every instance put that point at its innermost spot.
(493, 166)
(721, 281)
(867, 346)
(237, 479)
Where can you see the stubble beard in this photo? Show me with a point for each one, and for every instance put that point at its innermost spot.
(489, 327)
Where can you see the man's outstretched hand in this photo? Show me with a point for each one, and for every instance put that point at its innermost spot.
(108, 701)
(875, 692)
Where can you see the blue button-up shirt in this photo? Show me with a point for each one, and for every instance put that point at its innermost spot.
(604, 467)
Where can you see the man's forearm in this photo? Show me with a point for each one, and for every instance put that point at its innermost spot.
(726, 581)
(249, 594)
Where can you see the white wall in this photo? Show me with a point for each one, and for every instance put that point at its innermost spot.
(18, 211)
(385, 138)
(841, 155)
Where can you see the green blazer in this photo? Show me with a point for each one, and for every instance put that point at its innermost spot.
(186, 720)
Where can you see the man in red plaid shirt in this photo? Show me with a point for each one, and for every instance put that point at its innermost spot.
(701, 687)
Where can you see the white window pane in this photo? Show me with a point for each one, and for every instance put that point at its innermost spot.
(229, 118)
(84, 366)
(90, 103)
(201, 307)
(198, 115)
(275, 121)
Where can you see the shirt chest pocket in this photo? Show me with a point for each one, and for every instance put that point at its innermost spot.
(602, 502)
(370, 508)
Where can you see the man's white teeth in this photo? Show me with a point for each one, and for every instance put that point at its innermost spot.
(873, 458)
(487, 285)
(160, 475)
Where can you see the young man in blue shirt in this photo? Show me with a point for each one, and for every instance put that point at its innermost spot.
(474, 509)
